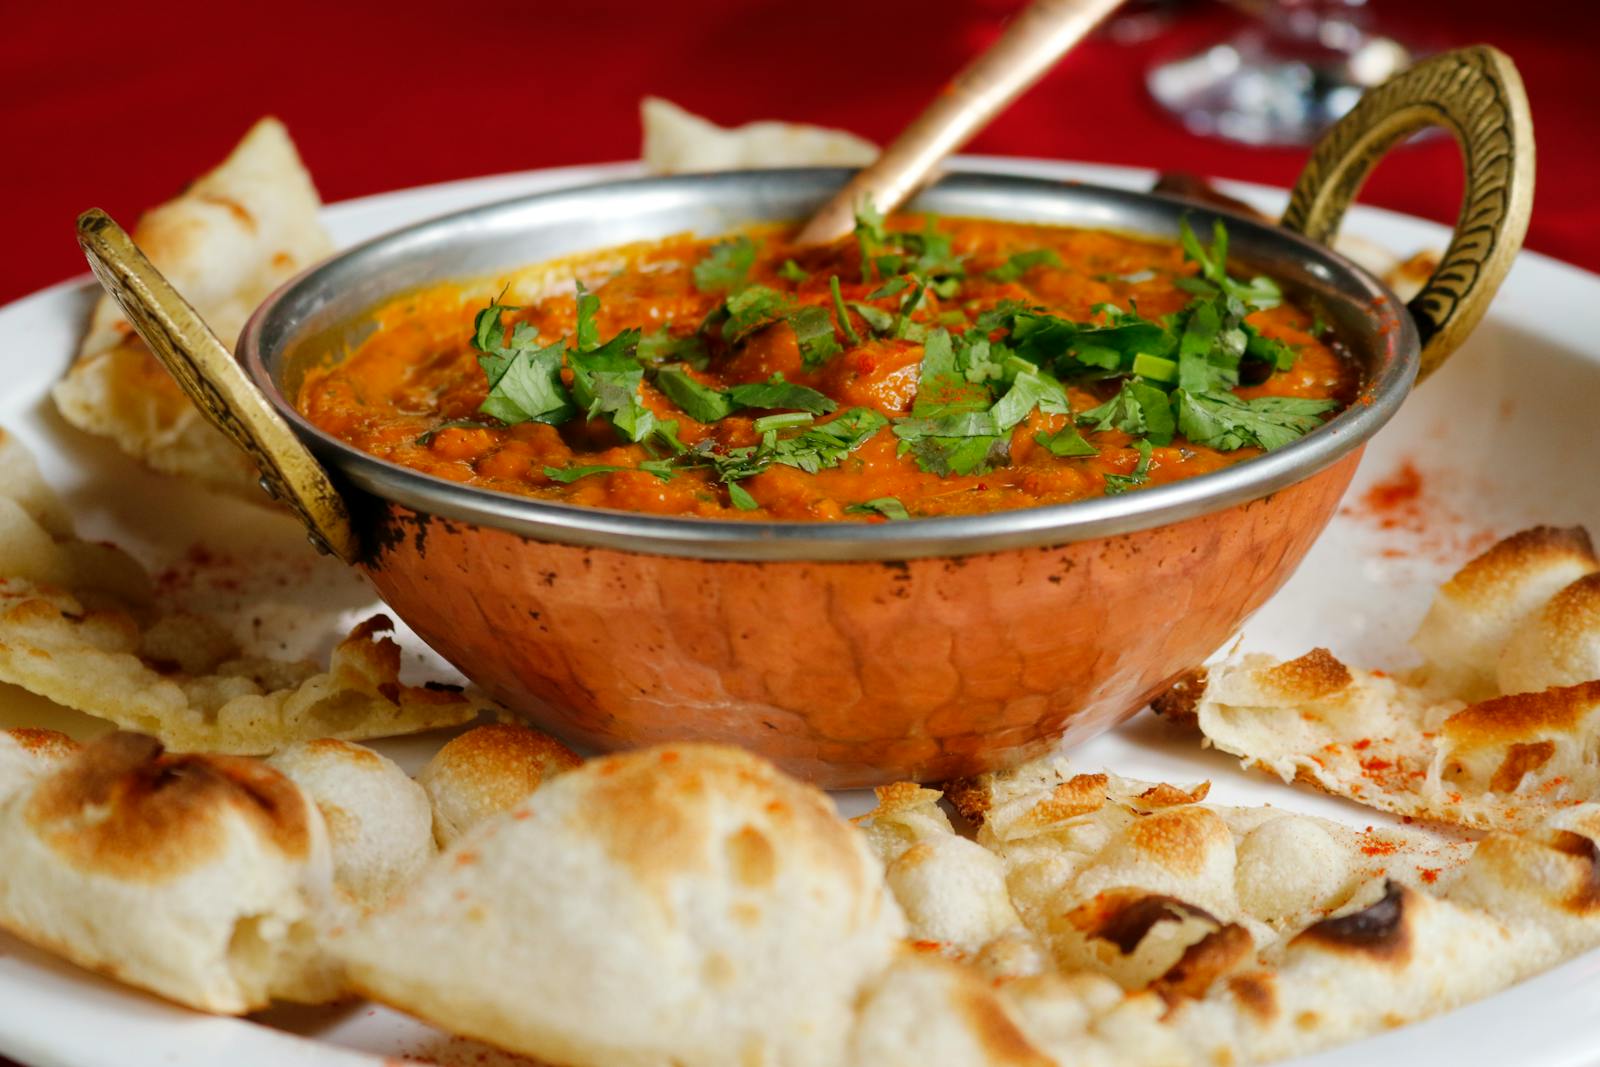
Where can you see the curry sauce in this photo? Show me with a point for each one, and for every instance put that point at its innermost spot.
(931, 367)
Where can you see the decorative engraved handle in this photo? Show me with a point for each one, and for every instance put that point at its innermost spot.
(1038, 36)
(212, 378)
(1477, 95)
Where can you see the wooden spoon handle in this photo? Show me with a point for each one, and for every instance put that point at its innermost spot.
(1031, 44)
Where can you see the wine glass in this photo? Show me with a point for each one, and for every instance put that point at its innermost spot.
(1283, 78)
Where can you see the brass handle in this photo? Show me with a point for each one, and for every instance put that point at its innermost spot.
(214, 381)
(1030, 45)
(1477, 95)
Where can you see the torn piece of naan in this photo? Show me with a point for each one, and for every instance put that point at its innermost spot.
(230, 239)
(1418, 924)
(1450, 740)
(77, 626)
(1126, 878)
(200, 878)
(679, 142)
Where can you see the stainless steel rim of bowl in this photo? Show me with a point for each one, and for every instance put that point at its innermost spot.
(501, 236)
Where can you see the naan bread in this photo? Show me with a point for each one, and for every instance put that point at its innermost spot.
(27, 753)
(1125, 878)
(951, 889)
(677, 142)
(1391, 955)
(488, 770)
(687, 904)
(1450, 740)
(195, 877)
(380, 827)
(77, 627)
(230, 239)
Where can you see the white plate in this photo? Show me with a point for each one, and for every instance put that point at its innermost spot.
(1503, 437)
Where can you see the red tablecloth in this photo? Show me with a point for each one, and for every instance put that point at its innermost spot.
(118, 105)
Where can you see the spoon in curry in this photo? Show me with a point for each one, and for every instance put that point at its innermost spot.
(1030, 45)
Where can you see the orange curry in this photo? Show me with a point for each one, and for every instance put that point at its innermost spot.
(929, 367)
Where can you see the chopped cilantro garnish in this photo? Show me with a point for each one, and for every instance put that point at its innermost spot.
(813, 329)
(1154, 368)
(1117, 484)
(1138, 409)
(889, 288)
(877, 319)
(703, 403)
(1066, 441)
(1225, 422)
(726, 266)
(814, 448)
(887, 506)
(659, 346)
(792, 271)
(788, 420)
(1259, 292)
(750, 309)
(524, 377)
(661, 468)
(1021, 263)
(777, 393)
(841, 313)
(741, 498)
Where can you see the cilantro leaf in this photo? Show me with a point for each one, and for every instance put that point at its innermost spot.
(1117, 484)
(841, 313)
(942, 386)
(1260, 292)
(726, 266)
(813, 329)
(1225, 422)
(703, 403)
(525, 386)
(1138, 409)
(750, 309)
(793, 272)
(827, 443)
(1021, 263)
(659, 346)
(1066, 441)
(887, 506)
(877, 319)
(777, 393)
(661, 468)
(741, 498)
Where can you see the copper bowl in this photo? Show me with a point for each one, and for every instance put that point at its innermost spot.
(851, 654)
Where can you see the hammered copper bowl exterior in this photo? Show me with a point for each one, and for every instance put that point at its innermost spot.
(845, 673)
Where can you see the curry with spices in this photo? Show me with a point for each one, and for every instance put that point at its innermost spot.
(930, 367)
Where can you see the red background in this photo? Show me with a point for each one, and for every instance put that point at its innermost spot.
(118, 105)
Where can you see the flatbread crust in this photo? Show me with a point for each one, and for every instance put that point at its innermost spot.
(678, 142)
(488, 770)
(687, 904)
(230, 239)
(77, 626)
(198, 878)
(1449, 741)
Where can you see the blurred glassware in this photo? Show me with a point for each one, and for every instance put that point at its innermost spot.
(1284, 78)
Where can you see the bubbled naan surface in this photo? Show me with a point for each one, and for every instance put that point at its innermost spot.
(380, 826)
(687, 904)
(488, 770)
(232, 237)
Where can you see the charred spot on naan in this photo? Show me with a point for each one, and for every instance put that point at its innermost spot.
(1378, 930)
